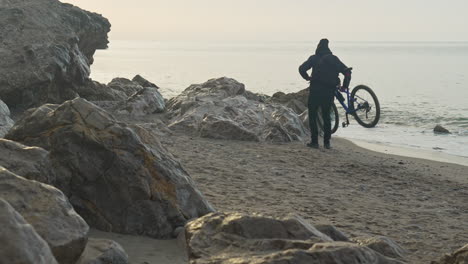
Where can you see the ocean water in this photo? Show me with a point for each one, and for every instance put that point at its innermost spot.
(419, 84)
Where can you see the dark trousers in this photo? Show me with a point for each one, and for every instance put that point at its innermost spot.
(320, 96)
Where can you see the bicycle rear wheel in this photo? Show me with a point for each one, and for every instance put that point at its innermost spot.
(366, 106)
(334, 117)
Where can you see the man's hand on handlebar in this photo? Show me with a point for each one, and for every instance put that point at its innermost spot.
(343, 89)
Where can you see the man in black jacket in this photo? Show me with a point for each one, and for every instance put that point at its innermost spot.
(323, 82)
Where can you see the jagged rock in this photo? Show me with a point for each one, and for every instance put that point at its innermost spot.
(236, 238)
(95, 91)
(222, 108)
(144, 102)
(20, 244)
(5, 121)
(125, 85)
(33, 163)
(103, 251)
(47, 48)
(383, 245)
(49, 212)
(143, 82)
(297, 101)
(332, 232)
(114, 179)
(441, 130)
(460, 256)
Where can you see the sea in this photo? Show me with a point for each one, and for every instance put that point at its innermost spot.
(419, 84)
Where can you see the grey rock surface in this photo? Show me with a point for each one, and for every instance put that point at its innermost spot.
(95, 91)
(118, 178)
(297, 101)
(47, 48)
(125, 85)
(143, 82)
(383, 245)
(5, 121)
(32, 163)
(224, 238)
(146, 101)
(20, 243)
(103, 251)
(460, 256)
(441, 130)
(49, 212)
(222, 108)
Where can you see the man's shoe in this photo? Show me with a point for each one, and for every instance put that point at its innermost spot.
(327, 145)
(313, 145)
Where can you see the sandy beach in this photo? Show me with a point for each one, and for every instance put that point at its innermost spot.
(422, 204)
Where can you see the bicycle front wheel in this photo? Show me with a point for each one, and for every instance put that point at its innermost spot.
(366, 106)
(334, 117)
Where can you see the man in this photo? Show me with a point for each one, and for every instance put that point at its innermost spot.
(323, 82)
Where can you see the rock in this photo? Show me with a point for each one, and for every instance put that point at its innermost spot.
(296, 101)
(49, 212)
(222, 108)
(33, 163)
(95, 91)
(146, 101)
(383, 245)
(143, 82)
(332, 232)
(118, 179)
(460, 256)
(125, 85)
(5, 121)
(441, 130)
(236, 238)
(47, 48)
(102, 251)
(20, 242)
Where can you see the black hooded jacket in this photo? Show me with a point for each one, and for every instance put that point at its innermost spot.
(325, 67)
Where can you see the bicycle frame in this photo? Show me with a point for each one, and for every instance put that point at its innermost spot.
(348, 107)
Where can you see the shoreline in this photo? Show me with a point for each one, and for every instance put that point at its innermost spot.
(423, 154)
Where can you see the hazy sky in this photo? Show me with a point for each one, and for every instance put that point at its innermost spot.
(296, 20)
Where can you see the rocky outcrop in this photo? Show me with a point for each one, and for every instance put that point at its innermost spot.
(143, 82)
(95, 91)
(146, 101)
(33, 163)
(103, 251)
(5, 121)
(49, 212)
(441, 130)
(383, 245)
(236, 238)
(125, 85)
(47, 48)
(460, 256)
(19, 242)
(296, 101)
(117, 178)
(223, 109)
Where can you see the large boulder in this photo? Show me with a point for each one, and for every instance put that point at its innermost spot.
(95, 91)
(224, 238)
(5, 121)
(20, 243)
(222, 108)
(46, 50)
(116, 179)
(460, 256)
(146, 101)
(383, 245)
(297, 101)
(124, 85)
(33, 163)
(49, 212)
(143, 82)
(103, 251)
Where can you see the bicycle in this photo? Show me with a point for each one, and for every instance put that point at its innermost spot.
(361, 103)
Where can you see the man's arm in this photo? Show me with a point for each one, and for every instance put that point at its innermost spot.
(345, 71)
(307, 65)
